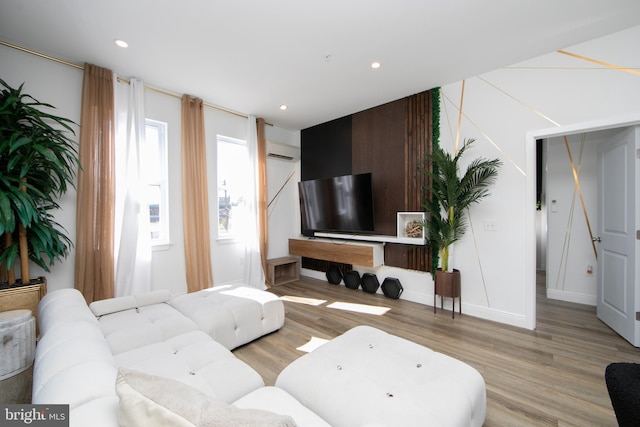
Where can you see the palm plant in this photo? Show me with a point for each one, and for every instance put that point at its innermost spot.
(38, 161)
(452, 194)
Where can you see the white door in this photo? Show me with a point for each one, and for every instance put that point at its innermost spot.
(617, 234)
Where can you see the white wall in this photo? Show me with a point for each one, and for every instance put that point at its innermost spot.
(570, 251)
(61, 86)
(506, 110)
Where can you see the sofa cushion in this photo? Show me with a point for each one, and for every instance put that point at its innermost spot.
(279, 401)
(73, 363)
(233, 315)
(156, 401)
(63, 306)
(195, 359)
(141, 326)
(113, 305)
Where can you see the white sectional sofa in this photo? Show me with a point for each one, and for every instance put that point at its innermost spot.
(149, 360)
(81, 350)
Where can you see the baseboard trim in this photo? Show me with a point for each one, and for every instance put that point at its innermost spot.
(572, 297)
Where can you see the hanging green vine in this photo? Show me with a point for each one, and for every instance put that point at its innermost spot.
(435, 119)
(435, 116)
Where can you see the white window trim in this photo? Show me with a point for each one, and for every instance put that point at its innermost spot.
(164, 243)
(225, 237)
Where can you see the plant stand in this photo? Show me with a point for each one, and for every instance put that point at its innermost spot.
(447, 285)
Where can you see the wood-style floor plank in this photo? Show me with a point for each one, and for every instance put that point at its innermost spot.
(553, 376)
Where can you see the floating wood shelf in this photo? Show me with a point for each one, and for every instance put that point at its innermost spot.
(357, 253)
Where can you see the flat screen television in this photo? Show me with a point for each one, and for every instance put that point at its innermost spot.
(342, 204)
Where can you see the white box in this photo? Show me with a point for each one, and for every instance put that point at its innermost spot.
(405, 218)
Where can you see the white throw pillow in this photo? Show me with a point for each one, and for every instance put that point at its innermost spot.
(149, 400)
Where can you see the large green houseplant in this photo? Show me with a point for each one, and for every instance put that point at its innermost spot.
(38, 161)
(449, 194)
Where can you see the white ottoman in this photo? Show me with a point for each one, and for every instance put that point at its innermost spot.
(367, 377)
(233, 316)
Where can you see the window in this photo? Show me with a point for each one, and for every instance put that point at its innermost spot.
(233, 162)
(157, 172)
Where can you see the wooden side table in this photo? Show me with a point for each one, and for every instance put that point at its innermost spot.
(447, 285)
(282, 270)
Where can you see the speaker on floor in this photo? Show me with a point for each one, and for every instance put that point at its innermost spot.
(352, 279)
(370, 283)
(334, 276)
(391, 288)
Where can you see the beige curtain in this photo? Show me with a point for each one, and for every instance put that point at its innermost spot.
(263, 222)
(94, 269)
(195, 201)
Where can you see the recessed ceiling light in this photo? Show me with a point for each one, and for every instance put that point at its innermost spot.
(375, 65)
(283, 107)
(121, 43)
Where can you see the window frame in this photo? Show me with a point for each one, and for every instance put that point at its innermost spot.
(222, 236)
(163, 208)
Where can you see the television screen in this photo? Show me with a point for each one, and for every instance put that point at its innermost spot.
(338, 204)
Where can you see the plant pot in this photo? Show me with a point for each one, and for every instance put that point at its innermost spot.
(447, 285)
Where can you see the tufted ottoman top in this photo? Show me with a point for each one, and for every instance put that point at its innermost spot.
(367, 377)
(231, 315)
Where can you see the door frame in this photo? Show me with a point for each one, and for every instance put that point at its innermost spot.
(530, 191)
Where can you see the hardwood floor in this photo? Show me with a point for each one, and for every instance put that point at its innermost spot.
(553, 376)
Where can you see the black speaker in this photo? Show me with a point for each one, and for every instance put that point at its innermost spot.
(352, 279)
(370, 283)
(391, 288)
(334, 276)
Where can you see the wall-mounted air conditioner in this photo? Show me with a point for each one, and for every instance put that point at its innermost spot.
(284, 152)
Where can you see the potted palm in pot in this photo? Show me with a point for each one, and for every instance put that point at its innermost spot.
(38, 161)
(451, 194)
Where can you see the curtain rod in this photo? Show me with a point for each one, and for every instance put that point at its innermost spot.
(120, 79)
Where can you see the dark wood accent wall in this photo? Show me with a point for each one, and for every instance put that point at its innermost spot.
(377, 146)
(389, 141)
(419, 142)
(325, 149)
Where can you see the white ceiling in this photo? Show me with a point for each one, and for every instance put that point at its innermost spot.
(251, 56)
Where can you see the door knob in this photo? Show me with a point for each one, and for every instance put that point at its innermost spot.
(596, 239)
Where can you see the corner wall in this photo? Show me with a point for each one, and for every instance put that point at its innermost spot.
(506, 110)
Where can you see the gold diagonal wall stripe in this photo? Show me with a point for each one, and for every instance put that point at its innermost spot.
(504, 155)
(595, 61)
(521, 102)
(473, 234)
(584, 208)
(446, 113)
(563, 68)
(475, 244)
(564, 259)
(455, 151)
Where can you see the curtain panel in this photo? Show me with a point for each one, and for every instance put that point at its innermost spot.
(94, 262)
(263, 221)
(195, 201)
(254, 274)
(133, 229)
